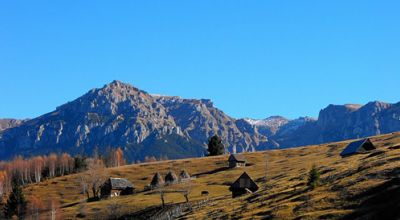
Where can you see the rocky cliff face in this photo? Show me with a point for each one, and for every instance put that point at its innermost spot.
(356, 121)
(339, 122)
(270, 125)
(9, 123)
(121, 115)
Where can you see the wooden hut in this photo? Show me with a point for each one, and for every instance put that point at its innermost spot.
(357, 147)
(157, 181)
(244, 184)
(236, 160)
(171, 178)
(184, 176)
(116, 187)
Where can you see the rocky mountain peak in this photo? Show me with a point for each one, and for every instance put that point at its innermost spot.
(118, 91)
(118, 86)
(118, 114)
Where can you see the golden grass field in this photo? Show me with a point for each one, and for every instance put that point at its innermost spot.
(364, 185)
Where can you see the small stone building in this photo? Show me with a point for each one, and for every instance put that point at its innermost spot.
(244, 184)
(171, 178)
(358, 147)
(236, 160)
(116, 187)
(157, 181)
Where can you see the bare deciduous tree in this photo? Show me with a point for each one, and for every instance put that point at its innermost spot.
(35, 205)
(52, 165)
(161, 191)
(38, 166)
(84, 183)
(115, 157)
(119, 157)
(54, 206)
(93, 178)
(64, 164)
(3, 176)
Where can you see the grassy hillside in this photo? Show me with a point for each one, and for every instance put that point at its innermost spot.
(365, 185)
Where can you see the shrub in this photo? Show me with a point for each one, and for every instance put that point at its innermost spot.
(313, 177)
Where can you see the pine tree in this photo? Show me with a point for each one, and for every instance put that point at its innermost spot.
(215, 146)
(16, 203)
(313, 177)
(80, 164)
(2, 206)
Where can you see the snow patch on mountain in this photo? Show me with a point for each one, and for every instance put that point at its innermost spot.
(273, 121)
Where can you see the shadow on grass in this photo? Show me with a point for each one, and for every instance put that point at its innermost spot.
(395, 147)
(380, 202)
(212, 171)
(374, 154)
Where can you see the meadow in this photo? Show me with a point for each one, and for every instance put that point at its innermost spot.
(359, 186)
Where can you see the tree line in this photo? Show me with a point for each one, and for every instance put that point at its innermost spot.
(21, 171)
(36, 169)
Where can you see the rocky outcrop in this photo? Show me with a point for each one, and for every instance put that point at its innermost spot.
(9, 123)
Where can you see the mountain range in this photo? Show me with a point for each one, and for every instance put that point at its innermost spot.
(142, 124)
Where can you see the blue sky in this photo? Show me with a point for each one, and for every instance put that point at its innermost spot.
(252, 58)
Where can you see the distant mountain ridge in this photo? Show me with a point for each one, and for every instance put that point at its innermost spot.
(336, 123)
(120, 115)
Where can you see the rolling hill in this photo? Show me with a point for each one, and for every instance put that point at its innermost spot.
(364, 186)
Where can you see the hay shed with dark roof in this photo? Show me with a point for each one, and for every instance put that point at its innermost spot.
(171, 178)
(244, 184)
(357, 147)
(116, 187)
(237, 160)
(184, 175)
(157, 181)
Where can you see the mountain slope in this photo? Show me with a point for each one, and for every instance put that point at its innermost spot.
(363, 186)
(120, 115)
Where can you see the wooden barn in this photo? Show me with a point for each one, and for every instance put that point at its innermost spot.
(357, 147)
(116, 187)
(236, 160)
(157, 181)
(243, 185)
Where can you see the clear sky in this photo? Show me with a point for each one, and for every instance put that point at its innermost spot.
(252, 58)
